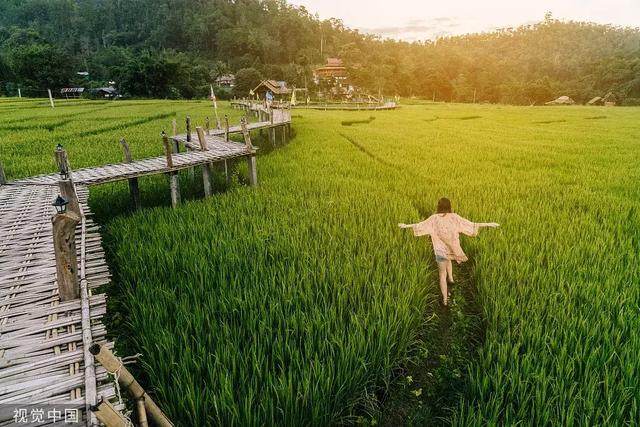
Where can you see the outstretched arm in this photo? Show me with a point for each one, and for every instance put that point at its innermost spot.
(488, 224)
(402, 225)
(420, 229)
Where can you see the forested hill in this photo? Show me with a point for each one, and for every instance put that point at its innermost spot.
(174, 48)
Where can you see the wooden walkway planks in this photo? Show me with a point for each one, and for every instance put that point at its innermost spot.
(157, 165)
(219, 150)
(42, 342)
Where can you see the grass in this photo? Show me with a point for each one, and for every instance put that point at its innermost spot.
(301, 302)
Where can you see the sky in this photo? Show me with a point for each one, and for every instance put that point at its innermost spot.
(428, 19)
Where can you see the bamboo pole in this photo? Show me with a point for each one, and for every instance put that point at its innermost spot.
(174, 127)
(114, 365)
(51, 98)
(226, 128)
(107, 415)
(64, 245)
(206, 168)
(142, 413)
(90, 386)
(207, 125)
(134, 189)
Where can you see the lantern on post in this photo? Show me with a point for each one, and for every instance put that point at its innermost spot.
(60, 203)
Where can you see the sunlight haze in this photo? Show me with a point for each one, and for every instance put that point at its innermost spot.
(420, 20)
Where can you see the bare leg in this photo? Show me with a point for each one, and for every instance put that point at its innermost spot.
(450, 271)
(442, 273)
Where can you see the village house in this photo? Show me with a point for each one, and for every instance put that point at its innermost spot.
(279, 89)
(332, 80)
(72, 92)
(226, 80)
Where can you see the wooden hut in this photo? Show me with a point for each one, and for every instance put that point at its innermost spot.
(72, 92)
(279, 89)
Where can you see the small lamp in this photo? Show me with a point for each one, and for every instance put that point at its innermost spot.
(60, 203)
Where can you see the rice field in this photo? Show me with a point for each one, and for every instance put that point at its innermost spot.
(300, 302)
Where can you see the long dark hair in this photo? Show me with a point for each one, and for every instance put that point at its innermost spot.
(444, 206)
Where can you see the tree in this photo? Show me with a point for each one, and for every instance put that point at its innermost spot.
(246, 80)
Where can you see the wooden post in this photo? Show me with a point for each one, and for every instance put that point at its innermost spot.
(114, 365)
(167, 150)
(68, 191)
(272, 135)
(251, 159)
(206, 168)
(245, 133)
(207, 125)
(134, 190)
(188, 124)
(283, 131)
(3, 177)
(64, 245)
(62, 161)
(107, 414)
(51, 98)
(174, 182)
(226, 128)
(174, 127)
(227, 172)
(253, 170)
(19, 93)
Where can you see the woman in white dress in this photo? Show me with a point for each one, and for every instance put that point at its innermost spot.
(444, 228)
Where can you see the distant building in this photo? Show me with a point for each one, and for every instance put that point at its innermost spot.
(333, 69)
(332, 80)
(226, 80)
(278, 88)
(608, 100)
(105, 92)
(563, 100)
(72, 92)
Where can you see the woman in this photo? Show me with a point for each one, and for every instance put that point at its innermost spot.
(445, 227)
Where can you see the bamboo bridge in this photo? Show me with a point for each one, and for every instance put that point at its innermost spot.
(52, 265)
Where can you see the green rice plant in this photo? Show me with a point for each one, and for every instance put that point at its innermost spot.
(295, 303)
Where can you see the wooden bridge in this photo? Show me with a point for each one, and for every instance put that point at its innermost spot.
(48, 339)
(326, 106)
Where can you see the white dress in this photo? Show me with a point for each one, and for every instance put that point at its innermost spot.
(445, 230)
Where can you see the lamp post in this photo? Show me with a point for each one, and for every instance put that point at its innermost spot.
(64, 246)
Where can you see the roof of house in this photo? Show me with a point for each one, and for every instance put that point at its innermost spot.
(106, 89)
(333, 64)
(278, 87)
(226, 77)
(565, 100)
